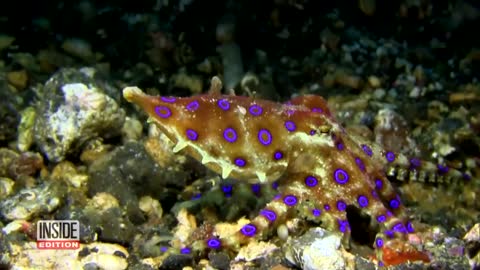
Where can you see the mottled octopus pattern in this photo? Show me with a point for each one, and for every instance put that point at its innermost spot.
(320, 169)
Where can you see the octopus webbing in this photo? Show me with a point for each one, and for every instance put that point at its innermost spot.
(320, 168)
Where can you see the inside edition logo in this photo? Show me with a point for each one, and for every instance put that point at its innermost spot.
(58, 234)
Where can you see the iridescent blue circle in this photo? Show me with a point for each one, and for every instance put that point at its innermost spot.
(442, 169)
(269, 214)
(264, 136)
(275, 185)
(341, 205)
(185, 250)
(378, 183)
(248, 230)
(290, 126)
(409, 226)
(214, 243)
(317, 110)
(256, 188)
(227, 189)
(326, 207)
(278, 155)
(343, 225)
(381, 218)
(415, 163)
(316, 212)
(360, 163)
(389, 233)
(191, 134)
(168, 99)
(223, 104)
(240, 162)
(192, 106)
(312, 132)
(340, 176)
(290, 200)
(390, 156)
(340, 146)
(230, 135)
(394, 203)
(163, 249)
(311, 181)
(362, 201)
(379, 242)
(367, 150)
(255, 110)
(399, 227)
(163, 111)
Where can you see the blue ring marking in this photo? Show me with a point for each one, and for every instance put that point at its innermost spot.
(360, 164)
(290, 200)
(367, 150)
(379, 242)
(410, 228)
(415, 163)
(341, 176)
(168, 99)
(278, 155)
(340, 146)
(255, 110)
(227, 190)
(264, 132)
(256, 188)
(290, 126)
(191, 134)
(316, 212)
(192, 106)
(362, 201)
(311, 181)
(378, 183)
(196, 196)
(381, 218)
(163, 111)
(341, 205)
(214, 243)
(230, 135)
(223, 104)
(343, 225)
(399, 227)
(394, 203)
(185, 250)
(248, 230)
(442, 169)
(269, 214)
(240, 162)
(390, 156)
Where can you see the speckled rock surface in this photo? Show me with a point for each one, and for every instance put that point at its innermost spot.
(73, 109)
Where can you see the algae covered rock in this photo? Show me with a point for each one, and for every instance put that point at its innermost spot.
(74, 108)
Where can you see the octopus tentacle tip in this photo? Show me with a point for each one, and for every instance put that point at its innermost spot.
(130, 92)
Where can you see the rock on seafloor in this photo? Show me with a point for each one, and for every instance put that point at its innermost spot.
(318, 249)
(72, 109)
(92, 256)
(32, 202)
(472, 239)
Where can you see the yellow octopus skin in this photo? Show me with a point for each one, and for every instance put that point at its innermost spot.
(321, 170)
